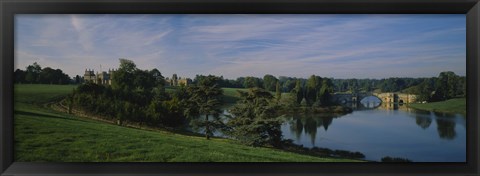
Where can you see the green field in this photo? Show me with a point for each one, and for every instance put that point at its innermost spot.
(456, 105)
(230, 95)
(40, 93)
(42, 134)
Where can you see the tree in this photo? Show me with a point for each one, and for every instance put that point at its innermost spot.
(366, 85)
(251, 82)
(155, 112)
(298, 91)
(393, 84)
(446, 86)
(278, 92)
(269, 82)
(19, 76)
(124, 76)
(463, 86)
(325, 92)
(144, 81)
(289, 85)
(174, 112)
(47, 76)
(33, 71)
(61, 77)
(205, 99)
(78, 80)
(159, 79)
(353, 85)
(254, 120)
(452, 82)
(425, 90)
(34, 74)
(241, 81)
(313, 86)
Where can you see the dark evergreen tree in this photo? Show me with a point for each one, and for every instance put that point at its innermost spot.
(254, 120)
(205, 99)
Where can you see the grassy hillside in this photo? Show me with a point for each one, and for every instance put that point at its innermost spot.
(456, 105)
(42, 134)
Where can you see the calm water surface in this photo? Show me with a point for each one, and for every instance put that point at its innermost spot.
(379, 130)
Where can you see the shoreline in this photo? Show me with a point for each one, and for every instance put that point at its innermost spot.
(323, 109)
(289, 147)
(454, 106)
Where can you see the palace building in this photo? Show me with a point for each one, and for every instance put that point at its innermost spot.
(103, 77)
(177, 81)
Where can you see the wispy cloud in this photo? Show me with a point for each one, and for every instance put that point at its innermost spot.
(156, 38)
(248, 45)
(83, 33)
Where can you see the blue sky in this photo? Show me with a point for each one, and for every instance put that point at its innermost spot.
(338, 46)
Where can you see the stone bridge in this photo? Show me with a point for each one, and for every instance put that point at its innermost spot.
(388, 97)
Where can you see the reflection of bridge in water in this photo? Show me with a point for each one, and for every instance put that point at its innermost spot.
(376, 105)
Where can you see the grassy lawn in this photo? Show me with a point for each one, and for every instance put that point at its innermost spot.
(231, 95)
(456, 105)
(42, 134)
(40, 93)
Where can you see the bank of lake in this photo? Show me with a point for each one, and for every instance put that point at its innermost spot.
(456, 105)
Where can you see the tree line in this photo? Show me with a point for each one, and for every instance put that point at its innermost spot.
(314, 91)
(446, 86)
(35, 74)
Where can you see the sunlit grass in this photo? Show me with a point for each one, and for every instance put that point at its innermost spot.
(456, 105)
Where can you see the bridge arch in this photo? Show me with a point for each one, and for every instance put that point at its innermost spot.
(370, 101)
(362, 96)
(389, 97)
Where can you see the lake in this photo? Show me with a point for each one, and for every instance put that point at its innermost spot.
(377, 130)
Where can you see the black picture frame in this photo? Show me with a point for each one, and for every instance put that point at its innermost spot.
(8, 8)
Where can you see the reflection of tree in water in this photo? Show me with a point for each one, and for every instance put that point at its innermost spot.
(310, 124)
(445, 122)
(296, 126)
(311, 129)
(422, 118)
(423, 122)
(327, 122)
(446, 125)
(446, 129)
